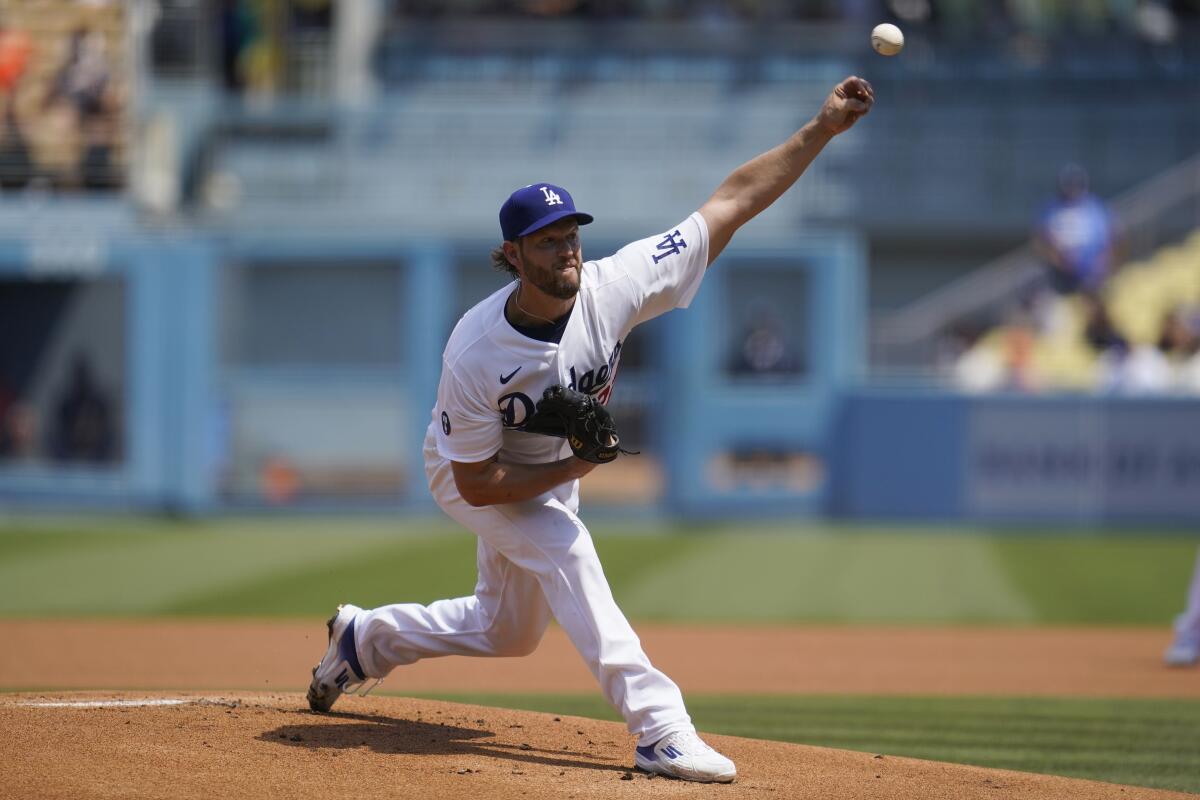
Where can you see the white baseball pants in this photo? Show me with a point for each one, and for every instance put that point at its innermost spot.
(1187, 624)
(536, 560)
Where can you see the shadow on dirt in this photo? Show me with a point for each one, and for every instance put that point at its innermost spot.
(390, 735)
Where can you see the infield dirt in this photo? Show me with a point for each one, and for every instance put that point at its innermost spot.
(260, 745)
(276, 655)
(262, 741)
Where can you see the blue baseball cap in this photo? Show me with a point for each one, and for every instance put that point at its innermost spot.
(535, 206)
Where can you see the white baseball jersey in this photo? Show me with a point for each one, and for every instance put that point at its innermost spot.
(492, 375)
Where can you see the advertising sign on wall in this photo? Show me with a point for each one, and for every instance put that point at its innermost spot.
(1118, 459)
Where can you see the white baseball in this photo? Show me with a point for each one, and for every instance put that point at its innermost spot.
(887, 39)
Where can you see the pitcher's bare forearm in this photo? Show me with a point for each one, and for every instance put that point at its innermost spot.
(494, 482)
(754, 186)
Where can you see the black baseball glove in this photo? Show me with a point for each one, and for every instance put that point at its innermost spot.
(581, 420)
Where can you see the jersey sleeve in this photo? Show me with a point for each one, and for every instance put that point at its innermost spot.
(468, 430)
(667, 268)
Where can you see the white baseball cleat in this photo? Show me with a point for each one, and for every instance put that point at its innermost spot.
(685, 755)
(339, 670)
(1183, 652)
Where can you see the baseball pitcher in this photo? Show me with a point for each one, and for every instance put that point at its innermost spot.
(520, 418)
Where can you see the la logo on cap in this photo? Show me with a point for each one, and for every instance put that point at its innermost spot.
(534, 206)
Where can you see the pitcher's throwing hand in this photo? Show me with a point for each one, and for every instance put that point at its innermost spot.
(847, 103)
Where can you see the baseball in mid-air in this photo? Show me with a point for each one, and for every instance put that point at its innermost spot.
(887, 39)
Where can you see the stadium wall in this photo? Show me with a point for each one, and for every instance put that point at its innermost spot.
(1087, 460)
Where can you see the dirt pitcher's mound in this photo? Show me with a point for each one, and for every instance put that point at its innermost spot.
(254, 745)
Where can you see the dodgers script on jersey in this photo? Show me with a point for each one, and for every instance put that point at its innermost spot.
(492, 375)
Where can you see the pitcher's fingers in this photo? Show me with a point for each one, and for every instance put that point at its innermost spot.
(855, 86)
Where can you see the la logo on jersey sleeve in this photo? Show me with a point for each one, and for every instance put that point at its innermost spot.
(669, 246)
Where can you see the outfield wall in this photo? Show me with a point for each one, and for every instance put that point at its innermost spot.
(1011, 458)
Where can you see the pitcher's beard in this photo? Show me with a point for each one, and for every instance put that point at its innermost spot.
(561, 285)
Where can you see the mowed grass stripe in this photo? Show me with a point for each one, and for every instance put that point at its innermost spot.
(831, 577)
(411, 569)
(1152, 743)
(265, 569)
(408, 570)
(143, 577)
(151, 571)
(1121, 580)
(751, 573)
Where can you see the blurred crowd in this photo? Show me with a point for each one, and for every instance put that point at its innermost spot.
(268, 47)
(61, 95)
(955, 17)
(1097, 322)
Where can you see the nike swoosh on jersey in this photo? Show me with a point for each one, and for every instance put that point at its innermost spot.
(509, 376)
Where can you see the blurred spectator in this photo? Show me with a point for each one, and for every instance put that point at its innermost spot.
(236, 31)
(83, 89)
(1144, 370)
(1076, 235)
(83, 78)
(1185, 648)
(84, 422)
(251, 59)
(1099, 331)
(1177, 339)
(19, 432)
(1180, 344)
(979, 367)
(1000, 361)
(1117, 372)
(16, 162)
(1148, 369)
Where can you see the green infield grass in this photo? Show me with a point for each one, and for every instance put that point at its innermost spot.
(1151, 743)
(749, 573)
